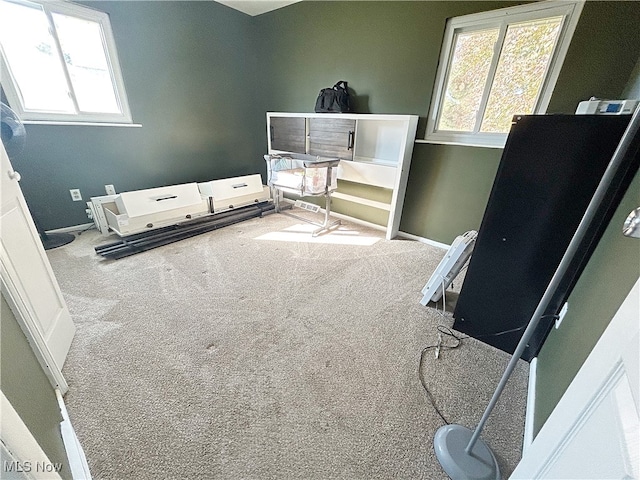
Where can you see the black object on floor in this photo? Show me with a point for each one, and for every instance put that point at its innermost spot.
(55, 240)
(140, 242)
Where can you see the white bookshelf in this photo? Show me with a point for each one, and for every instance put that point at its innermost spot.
(375, 150)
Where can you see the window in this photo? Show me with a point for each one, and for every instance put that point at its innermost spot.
(495, 65)
(59, 63)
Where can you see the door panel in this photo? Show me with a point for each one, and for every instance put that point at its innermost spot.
(594, 431)
(27, 273)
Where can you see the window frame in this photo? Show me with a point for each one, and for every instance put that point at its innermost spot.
(12, 89)
(501, 18)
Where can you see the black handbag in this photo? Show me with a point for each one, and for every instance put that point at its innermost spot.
(334, 100)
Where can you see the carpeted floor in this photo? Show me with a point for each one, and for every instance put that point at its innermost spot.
(257, 352)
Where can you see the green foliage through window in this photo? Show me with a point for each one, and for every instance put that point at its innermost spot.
(495, 65)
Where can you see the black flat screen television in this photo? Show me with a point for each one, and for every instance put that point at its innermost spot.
(548, 173)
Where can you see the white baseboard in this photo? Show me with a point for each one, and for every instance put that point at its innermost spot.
(433, 243)
(75, 454)
(375, 226)
(531, 400)
(73, 228)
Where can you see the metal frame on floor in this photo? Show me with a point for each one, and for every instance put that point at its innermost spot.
(140, 242)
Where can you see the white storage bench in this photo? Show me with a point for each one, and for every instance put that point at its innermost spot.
(140, 210)
(236, 192)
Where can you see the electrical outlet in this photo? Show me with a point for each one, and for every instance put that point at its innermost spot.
(110, 189)
(76, 196)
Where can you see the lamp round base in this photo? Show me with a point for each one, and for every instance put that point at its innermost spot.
(450, 443)
(55, 240)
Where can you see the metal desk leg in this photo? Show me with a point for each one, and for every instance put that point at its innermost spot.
(327, 225)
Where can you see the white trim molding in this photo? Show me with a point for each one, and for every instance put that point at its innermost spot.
(530, 408)
(428, 241)
(75, 454)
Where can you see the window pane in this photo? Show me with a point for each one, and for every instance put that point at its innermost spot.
(86, 60)
(522, 66)
(467, 78)
(33, 59)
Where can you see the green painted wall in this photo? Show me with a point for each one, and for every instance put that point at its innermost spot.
(602, 54)
(448, 190)
(28, 390)
(611, 272)
(201, 76)
(604, 284)
(632, 90)
(388, 52)
(190, 73)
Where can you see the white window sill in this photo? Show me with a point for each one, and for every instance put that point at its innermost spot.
(82, 124)
(460, 144)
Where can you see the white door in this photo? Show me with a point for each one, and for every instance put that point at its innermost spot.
(28, 281)
(594, 431)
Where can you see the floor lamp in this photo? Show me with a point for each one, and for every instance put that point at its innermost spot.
(461, 452)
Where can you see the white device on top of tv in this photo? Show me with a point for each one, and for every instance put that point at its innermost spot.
(606, 107)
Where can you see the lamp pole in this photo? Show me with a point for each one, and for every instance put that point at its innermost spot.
(475, 460)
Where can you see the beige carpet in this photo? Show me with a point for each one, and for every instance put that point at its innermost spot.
(257, 352)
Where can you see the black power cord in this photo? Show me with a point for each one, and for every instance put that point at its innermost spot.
(446, 331)
(80, 232)
(442, 330)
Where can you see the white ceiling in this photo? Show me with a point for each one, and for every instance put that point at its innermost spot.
(256, 7)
